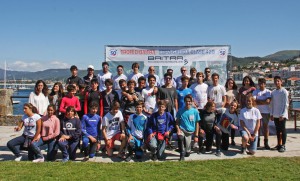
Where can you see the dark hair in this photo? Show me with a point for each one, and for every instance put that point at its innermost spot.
(234, 87)
(94, 81)
(209, 104)
(31, 107)
(45, 88)
(150, 77)
(93, 105)
(53, 107)
(108, 81)
(115, 104)
(183, 78)
(262, 80)
(73, 67)
(134, 65)
(277, 77)
(250, 79)
(215, 74)
(82, 86)
(189, 96)
(131, 82)
(140, 103)
(206, 69)
(162, 102)
(121, 81)
(71, 88)
(167, 74)
(141, 78)
(120, 66)
(105, 63)
(200, 73)
(168, 70)
(71, 108)
(60, 90)
(193, 69)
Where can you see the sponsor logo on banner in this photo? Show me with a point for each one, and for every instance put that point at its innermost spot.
(113, 52)
(222, 52)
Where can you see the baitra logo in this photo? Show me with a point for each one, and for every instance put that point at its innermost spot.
(222, 52)
(113, 52)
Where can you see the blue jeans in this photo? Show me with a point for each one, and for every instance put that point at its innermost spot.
(68, 148)
(89, 150)
(157, 147)
(51, 145)
(253, 144)
(19, 141)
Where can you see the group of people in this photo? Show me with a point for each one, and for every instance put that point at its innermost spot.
(145, 112)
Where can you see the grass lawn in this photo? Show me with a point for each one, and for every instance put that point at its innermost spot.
(259, 168)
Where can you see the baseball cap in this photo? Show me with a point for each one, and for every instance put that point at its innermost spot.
(91, 67)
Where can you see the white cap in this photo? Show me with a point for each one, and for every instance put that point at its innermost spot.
(91, 67)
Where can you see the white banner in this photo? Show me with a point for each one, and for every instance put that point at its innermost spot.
(166, 55)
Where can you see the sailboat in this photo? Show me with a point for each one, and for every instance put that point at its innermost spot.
(14, 102)
(23, 87)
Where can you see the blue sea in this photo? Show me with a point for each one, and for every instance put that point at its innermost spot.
(18, 108)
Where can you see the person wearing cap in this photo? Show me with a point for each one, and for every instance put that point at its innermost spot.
(102, 76)
(74, 79)
(118, 77)
(90, 75)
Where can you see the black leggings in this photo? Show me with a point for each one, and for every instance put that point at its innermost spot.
(209, 140)
(280, 129)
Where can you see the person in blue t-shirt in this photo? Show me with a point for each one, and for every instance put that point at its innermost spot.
(159, 127)
(183, 91)
(90, 125)
(136, 127)
(187, 120)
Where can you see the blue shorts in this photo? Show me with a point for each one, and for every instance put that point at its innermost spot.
(253, 144)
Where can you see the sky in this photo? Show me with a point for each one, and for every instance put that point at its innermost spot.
(37, 35)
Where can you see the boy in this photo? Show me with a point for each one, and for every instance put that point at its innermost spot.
(187, 120)
(102, 76)
(136, 127)
(113, 127)
(159, 127)
(135, 75)
(279, 112)
(74, 77)
(149, 95)
(108, 96)
(262, 97)
(92, 96)
(183, 91)
(90, 125)
(70, 100)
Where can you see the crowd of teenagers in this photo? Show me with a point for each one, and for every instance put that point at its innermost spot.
(146, 113)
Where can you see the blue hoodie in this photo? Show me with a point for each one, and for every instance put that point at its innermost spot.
(90, 124)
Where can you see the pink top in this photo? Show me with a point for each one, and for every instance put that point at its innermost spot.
(69, 101)
(50, 127)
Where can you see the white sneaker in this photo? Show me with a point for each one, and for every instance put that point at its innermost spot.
(18, 159)
(38, 160)
(195, 146)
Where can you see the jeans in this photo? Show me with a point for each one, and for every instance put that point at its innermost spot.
(68, 148)
(35, 146)
(89, 150)
(157, 147)
(19, 141)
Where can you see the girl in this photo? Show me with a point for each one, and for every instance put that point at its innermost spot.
(208, 126)
(49, 134)
(57, 93)
(70, 132)
(32, 123)
(250, 121)
(231, 92)
(247, 89)
(39, 98)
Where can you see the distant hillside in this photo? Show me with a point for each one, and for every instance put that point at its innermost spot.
(283, 55)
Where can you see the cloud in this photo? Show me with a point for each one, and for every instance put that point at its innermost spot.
(36, 66)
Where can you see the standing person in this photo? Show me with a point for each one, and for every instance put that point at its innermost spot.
(183, 91)
(183, 71)
(32, 128)
(90, 126)
(123, 88)
(231, 92)
(136, 128)
(135, 75)
(149, 95)
(118, 77)
(207, 78)
(49, 132)
(92, 96)
(209, 128)
(141, 85)
(263, 100)
(108, 96)
(74, 79)
(90, 76)
(81, 95)
(70, 100)
(279, 112)
(173, 82)
(217, 94)
(151, 71)
(193, 78)
(250, 121)
(70, 132)
(247, 89)
(199, 92)
(187, 119)
(102, 76)
(39, 98)
(113, 128)
(55, 97)
(159, 126)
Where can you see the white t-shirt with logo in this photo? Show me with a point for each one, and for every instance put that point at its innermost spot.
(262, 96)
(30, 124)
(250, 117)
(215, 93)
(112, 123)
(150, 100)
(200, 94)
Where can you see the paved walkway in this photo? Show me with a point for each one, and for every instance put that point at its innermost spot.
(292, 145)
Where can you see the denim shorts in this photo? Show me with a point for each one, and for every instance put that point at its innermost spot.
(253, 144)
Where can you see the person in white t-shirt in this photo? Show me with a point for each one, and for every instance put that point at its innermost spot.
(113, 128)
(199, 92)
(39, 98)
(263, 99)
(149, 95)
(250, 121)
(135, 75)
(102, 76)
(118, 77)
(151, 71)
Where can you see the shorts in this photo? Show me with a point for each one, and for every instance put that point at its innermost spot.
(265, 118)
(253, 144)
(112, 141)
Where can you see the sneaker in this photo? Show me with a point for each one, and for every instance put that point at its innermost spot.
(275, 147)
(85, 159)
(233, 143)
(19, 158)
(200, 151)
(267, 147)
(187, 154)
(170, 147)
(195, 146)
(38, 160)
(218, 153)
(128, 158)
(281, 149)
(154, 157)
(243, 152)
(208, 151)
(64, 160)
(181, 158)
